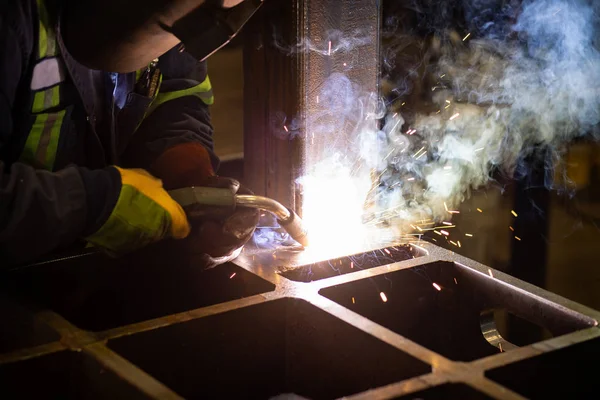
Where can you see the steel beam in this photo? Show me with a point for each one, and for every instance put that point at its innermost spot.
(291, 50)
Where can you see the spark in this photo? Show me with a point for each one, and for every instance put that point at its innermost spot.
(518, 238)
(480, 210)
(468, 234)
(445, 233)
(380, 175)
(404, 103)
(511, 228)
(387, 251)
(329, 48)
(455, 281)
(454, 116)
(448, 106)
(490, 272)
(422, 154)
(447, 223)
(448, 101)
(438, 233)
(344, 64)
(459, 245)
(514, 213)
(286, 128)
(397, 123)
(438, 287)
(410, 179)
(454, 243)
(439, 111)
(441, 76)
(466, 37)
(448, 167)
(478, 150)
(232, 275)
(317, 99)
(420, 150)
(390, 153)
(500, 345)
(352, 264)
(445, 227)
(353, 301)
(383, 297)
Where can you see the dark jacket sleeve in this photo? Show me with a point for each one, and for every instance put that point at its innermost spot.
(40, 211)
(180, 120)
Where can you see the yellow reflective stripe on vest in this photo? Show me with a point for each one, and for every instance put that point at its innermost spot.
(42, 142)
(47, 39)
(203, 91)
(46, 99)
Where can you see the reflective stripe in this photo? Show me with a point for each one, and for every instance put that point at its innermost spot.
(203, 91)
(47, 73)
(47, 39)
(42, 142)
(46, 99)
(43, 41)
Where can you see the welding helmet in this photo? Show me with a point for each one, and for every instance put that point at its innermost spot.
(211, 26)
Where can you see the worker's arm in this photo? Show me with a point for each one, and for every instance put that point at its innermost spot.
(42, 211)
(174, 142)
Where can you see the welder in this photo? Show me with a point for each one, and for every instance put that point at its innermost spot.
(97, 123)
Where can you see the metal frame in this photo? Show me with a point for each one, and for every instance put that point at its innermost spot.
(264, 264)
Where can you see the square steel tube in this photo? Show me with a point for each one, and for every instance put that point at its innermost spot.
(286, 62)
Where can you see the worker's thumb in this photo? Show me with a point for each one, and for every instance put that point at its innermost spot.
(144, 213)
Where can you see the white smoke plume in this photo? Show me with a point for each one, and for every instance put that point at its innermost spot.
(497, 99)
(524, 76)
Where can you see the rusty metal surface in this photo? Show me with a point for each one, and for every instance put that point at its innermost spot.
(410, 323)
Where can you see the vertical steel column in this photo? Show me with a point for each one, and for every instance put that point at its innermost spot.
(281, 86)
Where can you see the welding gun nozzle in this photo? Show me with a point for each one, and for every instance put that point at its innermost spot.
(294, 226)
(209, 196)
(288, 219)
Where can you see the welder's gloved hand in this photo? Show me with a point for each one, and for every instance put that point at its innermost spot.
(143, 214)
(218, 233)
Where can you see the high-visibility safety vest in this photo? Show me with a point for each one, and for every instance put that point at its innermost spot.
(48, 78)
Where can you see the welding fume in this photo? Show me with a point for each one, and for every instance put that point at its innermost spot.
(460, 102)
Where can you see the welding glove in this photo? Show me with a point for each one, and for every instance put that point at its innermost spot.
(144, 213)
(218, 233)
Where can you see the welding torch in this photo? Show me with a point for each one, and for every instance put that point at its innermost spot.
(198, 196)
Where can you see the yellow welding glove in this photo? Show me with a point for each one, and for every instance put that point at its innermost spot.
(144, 213)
